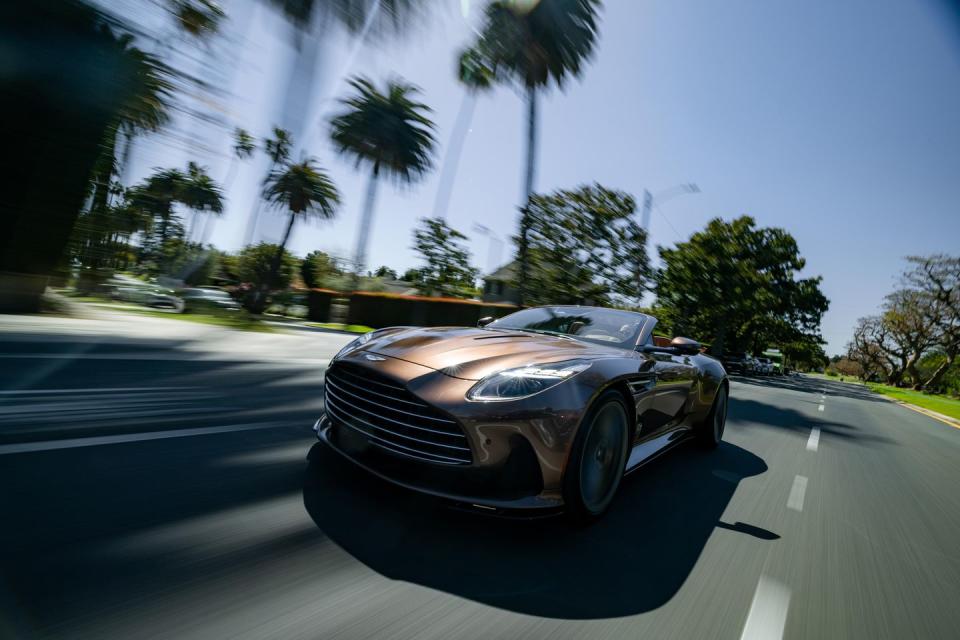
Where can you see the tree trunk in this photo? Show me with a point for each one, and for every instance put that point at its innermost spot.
(448, 174)
(124, 169)
(896, 372)
(278, 257)
(934, 380)
(366, 220)
(716, 349)
(260, 302)
(911, 368)
(524, 248)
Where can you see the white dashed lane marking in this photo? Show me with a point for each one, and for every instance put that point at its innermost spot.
(797, 493)
(813, 442)
(768, 611)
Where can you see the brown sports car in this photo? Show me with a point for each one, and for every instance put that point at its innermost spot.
(546, 408)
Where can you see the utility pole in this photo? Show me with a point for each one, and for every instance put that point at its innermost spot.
(647, 206)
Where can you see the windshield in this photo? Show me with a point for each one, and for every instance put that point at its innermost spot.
(593, 324)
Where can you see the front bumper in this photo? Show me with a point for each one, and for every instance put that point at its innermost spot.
(515, 486)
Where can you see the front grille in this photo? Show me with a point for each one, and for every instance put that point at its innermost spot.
(392, 418)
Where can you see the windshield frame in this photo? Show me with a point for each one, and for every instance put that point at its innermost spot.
(646, 325)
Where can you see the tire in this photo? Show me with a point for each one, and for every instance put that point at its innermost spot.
(710, 431)
(597, 460)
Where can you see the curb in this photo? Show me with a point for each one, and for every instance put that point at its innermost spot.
(947, 420)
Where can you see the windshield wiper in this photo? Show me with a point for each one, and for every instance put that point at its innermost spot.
(550, 333)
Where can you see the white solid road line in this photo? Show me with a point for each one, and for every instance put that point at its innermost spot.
(797, 493)
(814, 440)
(94, 441)
(768, 611)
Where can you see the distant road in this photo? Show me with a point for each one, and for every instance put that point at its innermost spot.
(160, 488)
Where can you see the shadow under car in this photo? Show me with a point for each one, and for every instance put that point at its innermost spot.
(633, 560)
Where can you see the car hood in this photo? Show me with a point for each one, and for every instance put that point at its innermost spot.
(472, 354)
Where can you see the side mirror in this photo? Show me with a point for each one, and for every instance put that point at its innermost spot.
(685, 346)
(482, 322)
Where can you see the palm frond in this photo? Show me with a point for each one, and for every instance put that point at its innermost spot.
(391, 130)
(303, 189)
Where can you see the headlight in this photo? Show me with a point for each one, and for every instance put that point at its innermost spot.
(354, 344)
(523, 382)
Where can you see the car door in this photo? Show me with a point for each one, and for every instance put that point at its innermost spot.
(673, 380)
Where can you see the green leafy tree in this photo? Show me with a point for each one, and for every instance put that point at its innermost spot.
(317, 268)
(446, 269)
(805, 354)
(96, 237)
(304, 191)
(385, 272)
(228, 269)
(909, 319)
(936, 279)
(389, 131)
(156, 196)
(255, 268)
(585, 247)
(200, 193)
(74, 82)
(190, 262)
(154, 199)
(534, 45)
(363, 20)
(734, 285)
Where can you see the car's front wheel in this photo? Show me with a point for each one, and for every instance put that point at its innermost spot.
(598, 459)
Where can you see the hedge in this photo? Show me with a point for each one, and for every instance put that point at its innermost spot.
(318, 304)
(379, 310)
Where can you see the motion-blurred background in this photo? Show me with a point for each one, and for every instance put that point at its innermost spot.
(202, 202)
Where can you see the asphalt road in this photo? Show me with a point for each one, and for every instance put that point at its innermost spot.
(152, 489)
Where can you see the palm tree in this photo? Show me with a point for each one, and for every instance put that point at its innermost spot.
(200, 194)
(392, 133)
(364, 20)
(145, 109)
(476, 76)
(277, 149)
(534, 45)
(154, 197)
(243, 147)
(198, 18)
(305, 191)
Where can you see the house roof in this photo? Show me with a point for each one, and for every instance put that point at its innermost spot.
(505, 273)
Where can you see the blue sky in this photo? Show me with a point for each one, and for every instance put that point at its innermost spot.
(835, 120)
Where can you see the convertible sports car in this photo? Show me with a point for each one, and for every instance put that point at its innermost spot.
(545, 408)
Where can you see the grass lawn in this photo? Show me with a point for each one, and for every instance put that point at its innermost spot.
(352, 328)
(240, 320)
(232, 320)
(846, 379)
(940, 404)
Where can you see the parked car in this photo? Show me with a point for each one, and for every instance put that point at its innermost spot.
(737, 363)
(147, 295)
(208, 299)
(764, 367)
(543, 409)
